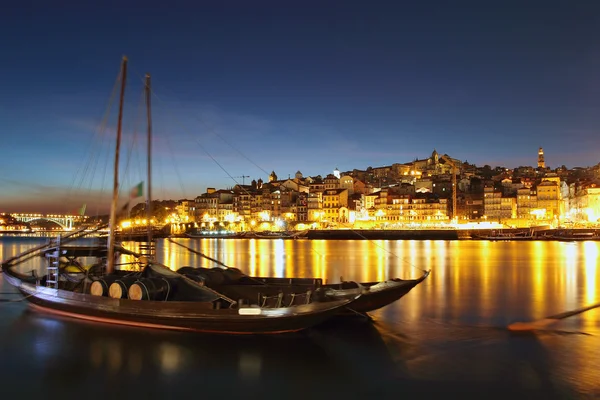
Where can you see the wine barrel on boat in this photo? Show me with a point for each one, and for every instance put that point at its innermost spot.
(157, 289)
(119, 288)
(101, 286)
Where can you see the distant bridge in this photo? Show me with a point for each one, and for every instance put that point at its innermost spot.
(65, 221)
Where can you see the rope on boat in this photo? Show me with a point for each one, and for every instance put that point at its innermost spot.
(199, 253)
(89, 163)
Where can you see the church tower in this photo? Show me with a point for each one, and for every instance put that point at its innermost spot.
(541, 162)
(273, 176)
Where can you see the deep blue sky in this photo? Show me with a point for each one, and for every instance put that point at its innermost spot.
(289, 85)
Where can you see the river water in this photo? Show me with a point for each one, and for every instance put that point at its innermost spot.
(446, 338)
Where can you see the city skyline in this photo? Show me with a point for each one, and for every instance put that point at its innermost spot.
(245, 90)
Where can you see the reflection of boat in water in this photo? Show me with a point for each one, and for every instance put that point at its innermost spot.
(46, 350)
(154, 295)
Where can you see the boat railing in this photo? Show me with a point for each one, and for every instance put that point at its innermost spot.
(279, 300)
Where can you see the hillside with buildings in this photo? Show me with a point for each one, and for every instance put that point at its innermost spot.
(432, 192)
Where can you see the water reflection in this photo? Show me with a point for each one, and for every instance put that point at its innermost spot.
(472, 280)
(590, 253)
(136, 357)
(446, 336)
(319, 265)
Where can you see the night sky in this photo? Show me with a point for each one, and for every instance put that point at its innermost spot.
(247, 87)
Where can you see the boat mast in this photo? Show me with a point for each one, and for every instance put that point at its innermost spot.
(149, 116)
(110, 267)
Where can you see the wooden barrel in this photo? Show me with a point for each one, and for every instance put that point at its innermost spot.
(100, 286)
(119, 288)
(157, 289)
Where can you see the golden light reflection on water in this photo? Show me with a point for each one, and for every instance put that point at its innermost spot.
(537, 270)
(538, 278)
(486, 259)
(318, 251)
(570, 273)
(590, 253)
(11, 246)
(382, 262)
(426, 248)
(473, 283)
(288, 250)
(170, 357)
(278, 249)
(252, 259)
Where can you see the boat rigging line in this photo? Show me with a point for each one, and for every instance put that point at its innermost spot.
(210, 258)
(209, 129)
(100, 137)
(153, 92)
(199, 253)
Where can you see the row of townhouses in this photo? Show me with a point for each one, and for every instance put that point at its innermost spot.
(420, 192)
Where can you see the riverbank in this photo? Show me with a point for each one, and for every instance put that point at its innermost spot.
(393, 234)
(378, 234)
(456, 234)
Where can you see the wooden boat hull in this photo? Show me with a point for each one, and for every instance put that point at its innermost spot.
(175, 315)
(373, 295)
(378, 295)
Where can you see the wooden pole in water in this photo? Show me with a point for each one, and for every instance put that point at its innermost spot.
(110, 266)
(545, 322)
